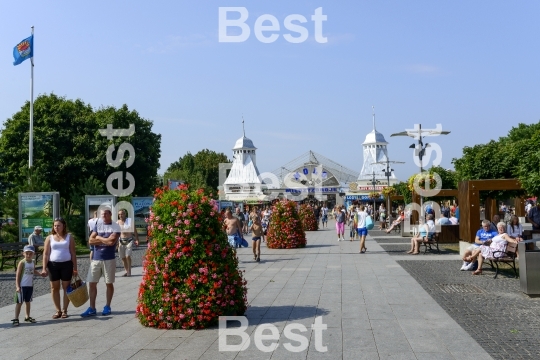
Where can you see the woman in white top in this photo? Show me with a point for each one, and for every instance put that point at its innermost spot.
(60, 263)
(514, 228)
(494, 248)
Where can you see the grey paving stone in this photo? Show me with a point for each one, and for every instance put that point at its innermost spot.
(150, 354)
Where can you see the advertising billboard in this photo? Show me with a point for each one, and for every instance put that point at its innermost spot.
(37, 209)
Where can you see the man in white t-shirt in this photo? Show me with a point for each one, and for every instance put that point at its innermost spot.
(91, 225)
(324, 216)
(361, 227)
(92, 222)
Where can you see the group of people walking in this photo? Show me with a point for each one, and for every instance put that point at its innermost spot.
(60, 263)
(356, 218)
(241, 223)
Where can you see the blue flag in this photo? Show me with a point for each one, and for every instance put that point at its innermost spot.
(23, 50)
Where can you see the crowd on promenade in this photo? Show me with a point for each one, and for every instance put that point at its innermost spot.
(60, 263)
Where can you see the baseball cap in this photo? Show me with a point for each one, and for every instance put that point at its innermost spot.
(28, 248)
(38, 227)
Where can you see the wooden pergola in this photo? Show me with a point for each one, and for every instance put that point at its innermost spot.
(469, 203)
(442, 193)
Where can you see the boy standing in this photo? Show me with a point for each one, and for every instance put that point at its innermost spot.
(258, 234)
(24, 282)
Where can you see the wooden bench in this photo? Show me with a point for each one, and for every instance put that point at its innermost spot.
(11, 251)
(509, 258)
(433, 241)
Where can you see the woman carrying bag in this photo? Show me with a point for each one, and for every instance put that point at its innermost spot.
(60, 263)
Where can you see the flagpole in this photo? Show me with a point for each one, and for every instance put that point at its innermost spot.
(31, 144)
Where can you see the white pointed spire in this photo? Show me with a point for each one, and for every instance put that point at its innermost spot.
(243, 128)
(373, 108)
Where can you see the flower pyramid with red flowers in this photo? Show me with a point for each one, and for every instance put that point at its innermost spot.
(190, 274)
(285, 230)
(307, 215)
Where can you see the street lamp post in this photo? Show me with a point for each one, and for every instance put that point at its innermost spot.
(388, 173)
(374, 182)
(420, 148)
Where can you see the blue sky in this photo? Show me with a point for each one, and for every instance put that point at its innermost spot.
(472, 66)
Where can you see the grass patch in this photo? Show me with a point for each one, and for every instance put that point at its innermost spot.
(451, 248)
(81, 250)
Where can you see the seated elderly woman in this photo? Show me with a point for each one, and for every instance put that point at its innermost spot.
(425, 233)
(492, 248)
(396, 222)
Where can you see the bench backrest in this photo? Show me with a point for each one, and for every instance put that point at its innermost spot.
(511, 249)
(12, 246)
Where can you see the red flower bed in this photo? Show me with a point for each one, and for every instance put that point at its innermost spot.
(190, 275)
(285, 230)
(307, 216)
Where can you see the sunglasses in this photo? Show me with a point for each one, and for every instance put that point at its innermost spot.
(59, 219)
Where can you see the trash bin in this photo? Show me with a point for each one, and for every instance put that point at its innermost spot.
(529, 267)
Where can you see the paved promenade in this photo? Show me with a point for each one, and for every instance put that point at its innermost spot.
(372, 307)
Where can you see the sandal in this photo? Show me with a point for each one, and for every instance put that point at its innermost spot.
(477, 272)
(64, 314)
(415, 253)
(15, 322)
(125, 274)
(57, 315)
(30, 319)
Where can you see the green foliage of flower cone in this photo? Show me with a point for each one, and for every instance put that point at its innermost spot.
(309, 222)
(191, 274)
(285, 230)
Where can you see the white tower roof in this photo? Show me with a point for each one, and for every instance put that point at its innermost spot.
(244, 168)
(374, 149)
(244, 143)
(374, 137)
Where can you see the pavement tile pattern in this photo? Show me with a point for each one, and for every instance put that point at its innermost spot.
(42, 285)
(372, 307)
(503, 320)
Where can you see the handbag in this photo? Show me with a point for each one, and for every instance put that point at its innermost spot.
(369, 222)
(77, 291)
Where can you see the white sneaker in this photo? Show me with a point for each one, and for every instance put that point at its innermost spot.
(469, 266)
(465, 264)
(338, 239)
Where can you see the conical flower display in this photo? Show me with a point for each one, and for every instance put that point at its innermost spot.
(307, 215)
(190, 274)
(285, 230)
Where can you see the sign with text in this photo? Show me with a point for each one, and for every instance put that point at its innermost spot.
(141, 207)
(37, 209)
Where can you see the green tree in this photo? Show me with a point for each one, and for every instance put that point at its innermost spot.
(528, 169)
(403, 189)
(448, 177)
(200, 170)
(69, 149)
(32, 182)
(512, 156)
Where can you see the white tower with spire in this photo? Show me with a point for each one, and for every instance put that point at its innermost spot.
(243, 181)
(374, 149)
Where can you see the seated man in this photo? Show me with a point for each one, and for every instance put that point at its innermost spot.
(494, 221)
(36, 240)
(482, 235)
(444, 220)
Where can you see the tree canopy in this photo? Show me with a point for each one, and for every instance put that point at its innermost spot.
(516, 155)
(200, 170)
(70, 154)
(68, 146)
